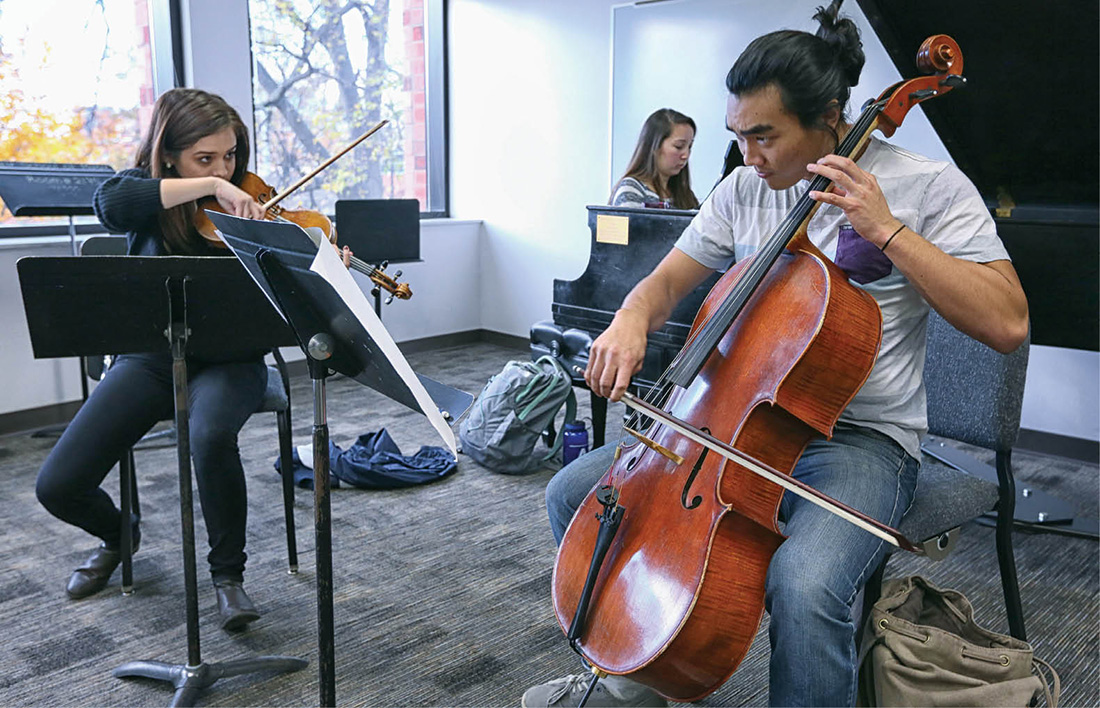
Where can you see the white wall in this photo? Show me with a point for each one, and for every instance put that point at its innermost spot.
(529, 106)
(29, 382)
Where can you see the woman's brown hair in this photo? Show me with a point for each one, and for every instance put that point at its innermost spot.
(643, 163)
(181, 118)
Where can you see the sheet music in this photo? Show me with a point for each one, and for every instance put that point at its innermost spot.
(330, 267)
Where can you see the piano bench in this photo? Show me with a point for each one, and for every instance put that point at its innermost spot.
(570, 347)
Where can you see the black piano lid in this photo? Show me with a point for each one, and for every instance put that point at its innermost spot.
(1027, 124)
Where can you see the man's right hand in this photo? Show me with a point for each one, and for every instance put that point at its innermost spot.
(617, 354)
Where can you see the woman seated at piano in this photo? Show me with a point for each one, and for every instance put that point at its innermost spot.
(657, 175)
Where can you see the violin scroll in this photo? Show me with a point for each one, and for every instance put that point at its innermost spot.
(382, 280)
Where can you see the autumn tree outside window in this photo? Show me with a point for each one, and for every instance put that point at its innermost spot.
(76, 84)
(324, 72)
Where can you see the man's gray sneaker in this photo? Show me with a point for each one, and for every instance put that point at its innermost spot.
(610, 692)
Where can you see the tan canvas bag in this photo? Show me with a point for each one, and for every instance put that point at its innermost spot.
(922, 647)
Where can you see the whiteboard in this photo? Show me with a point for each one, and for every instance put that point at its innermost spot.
(676, 54)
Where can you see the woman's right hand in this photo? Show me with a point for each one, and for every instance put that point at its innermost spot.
(617, 354)
(235, 200)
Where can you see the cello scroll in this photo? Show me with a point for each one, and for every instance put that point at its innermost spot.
(940, 56)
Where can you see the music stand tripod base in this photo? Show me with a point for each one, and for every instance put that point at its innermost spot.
(190, 680)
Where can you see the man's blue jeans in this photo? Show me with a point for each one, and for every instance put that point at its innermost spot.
(816, 574)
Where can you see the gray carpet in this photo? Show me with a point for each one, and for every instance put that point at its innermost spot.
(442, 591)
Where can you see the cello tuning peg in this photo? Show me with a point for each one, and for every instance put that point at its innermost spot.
(397, 274)
(375, 292)
(383, 265)
(389, 299)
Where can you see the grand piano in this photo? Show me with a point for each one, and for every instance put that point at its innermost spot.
(1025, 129)
(627, 243)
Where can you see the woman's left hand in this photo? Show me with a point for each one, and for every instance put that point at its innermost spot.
(345, 254)
(856, 191)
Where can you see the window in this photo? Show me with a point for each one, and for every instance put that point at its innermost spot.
(326, 72)
(76, 84)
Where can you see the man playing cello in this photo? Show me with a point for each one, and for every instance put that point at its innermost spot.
(913, 233)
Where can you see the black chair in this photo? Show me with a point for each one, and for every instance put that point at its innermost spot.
(276, 400)
(974, 396)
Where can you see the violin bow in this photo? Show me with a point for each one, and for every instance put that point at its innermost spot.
(290, 190)
(789, 483)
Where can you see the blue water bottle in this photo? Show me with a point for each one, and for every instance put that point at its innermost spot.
(574, 441)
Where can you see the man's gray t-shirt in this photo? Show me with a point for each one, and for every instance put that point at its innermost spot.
(932, 198)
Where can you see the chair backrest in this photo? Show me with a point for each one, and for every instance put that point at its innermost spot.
(103, 246)
(974, 393)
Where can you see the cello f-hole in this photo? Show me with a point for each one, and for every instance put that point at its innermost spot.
(697, 500)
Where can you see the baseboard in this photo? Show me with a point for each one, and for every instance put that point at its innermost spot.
(1060, 445)
(456, 339)
(33, 419)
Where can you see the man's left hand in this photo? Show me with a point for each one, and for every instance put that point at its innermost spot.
(856, 191)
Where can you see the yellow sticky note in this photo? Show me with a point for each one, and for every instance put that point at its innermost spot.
(612, 229)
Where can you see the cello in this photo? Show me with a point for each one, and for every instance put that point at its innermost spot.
(660, 574)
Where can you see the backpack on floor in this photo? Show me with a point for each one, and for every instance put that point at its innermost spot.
(510, 414)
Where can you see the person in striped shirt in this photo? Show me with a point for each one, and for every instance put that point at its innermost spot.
(658, 175)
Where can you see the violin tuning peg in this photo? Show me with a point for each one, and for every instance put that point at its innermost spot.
(384, 265)
(397, 274)
(375, 292)
(389, 299)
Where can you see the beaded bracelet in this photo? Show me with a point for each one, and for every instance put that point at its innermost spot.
(892, 237)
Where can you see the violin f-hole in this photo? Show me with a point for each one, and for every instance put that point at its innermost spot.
(697, 500)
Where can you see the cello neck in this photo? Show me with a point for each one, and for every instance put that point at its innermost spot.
(692, 357)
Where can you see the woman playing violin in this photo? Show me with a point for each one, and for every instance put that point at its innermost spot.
(197, 146)
(912, 232)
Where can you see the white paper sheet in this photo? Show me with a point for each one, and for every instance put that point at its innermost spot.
(329, 266)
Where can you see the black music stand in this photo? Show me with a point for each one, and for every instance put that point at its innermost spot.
(204, 306)
(333, 329)
(49, 189)
(380, 231)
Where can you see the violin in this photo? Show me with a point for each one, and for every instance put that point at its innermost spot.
(660, 575)
(316, 225)
(262, 192)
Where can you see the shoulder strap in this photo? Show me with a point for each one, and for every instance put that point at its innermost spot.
(1052, 695)
(563, 377)
(570, 416)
